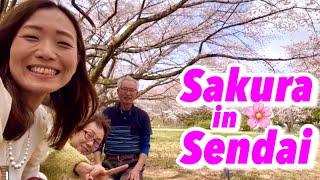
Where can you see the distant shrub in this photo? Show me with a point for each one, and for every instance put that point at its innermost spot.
(200, 117)
(244, 126)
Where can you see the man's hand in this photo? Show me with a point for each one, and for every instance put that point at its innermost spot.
(134, 174)
(99, 173)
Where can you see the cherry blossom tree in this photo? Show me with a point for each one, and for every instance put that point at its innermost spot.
(155, 40)
(290, 117)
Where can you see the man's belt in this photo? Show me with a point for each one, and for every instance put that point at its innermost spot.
(121, 157)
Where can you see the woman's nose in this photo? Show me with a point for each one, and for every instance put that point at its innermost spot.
(46, 51)
(90, 143)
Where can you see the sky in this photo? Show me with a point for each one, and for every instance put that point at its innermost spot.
(275, 47)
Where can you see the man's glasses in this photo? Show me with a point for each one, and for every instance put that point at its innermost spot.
(89, 137)
(130, 90)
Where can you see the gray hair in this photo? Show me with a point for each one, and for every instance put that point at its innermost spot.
(127, 78)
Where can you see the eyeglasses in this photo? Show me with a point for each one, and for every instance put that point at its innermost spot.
(130, 90)
(89, 137)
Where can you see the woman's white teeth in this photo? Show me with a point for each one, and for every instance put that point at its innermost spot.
(42, 70)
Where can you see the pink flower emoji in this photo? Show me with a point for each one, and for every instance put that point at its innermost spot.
(258, 114)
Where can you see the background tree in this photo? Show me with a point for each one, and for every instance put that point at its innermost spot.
(155, 40)
(290, 117)
(312, 117)
(200, 117)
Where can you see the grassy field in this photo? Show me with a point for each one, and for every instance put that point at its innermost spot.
(165, 148)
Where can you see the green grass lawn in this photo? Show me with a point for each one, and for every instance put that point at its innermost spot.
(165, 147)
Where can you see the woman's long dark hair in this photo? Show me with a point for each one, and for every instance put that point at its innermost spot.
(75, 102)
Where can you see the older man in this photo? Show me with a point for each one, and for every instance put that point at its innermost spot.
(129, 139)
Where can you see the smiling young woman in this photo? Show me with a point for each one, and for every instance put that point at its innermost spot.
(42, 54)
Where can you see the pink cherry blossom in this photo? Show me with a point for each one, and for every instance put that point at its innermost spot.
(258, 114)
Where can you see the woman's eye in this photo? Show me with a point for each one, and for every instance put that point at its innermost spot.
(30, 37)
(64, 44)
(90, 136)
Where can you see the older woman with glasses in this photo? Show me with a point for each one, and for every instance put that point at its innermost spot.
(71, 161)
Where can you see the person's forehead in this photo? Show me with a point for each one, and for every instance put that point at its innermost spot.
(53, 17)
(92, 126)
(128, 83)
